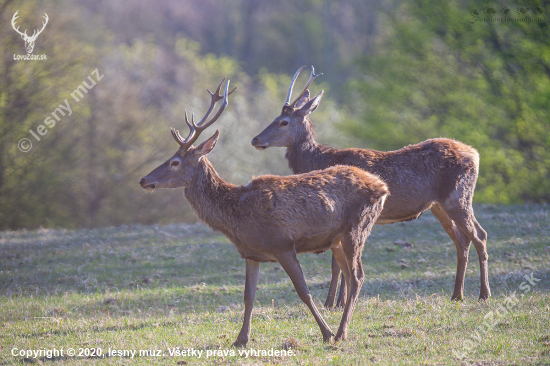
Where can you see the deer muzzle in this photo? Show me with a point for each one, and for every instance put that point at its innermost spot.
(149, 187)
(257, 144)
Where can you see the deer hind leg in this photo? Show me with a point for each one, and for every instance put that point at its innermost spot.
(352, 248)
(252, 271)
(292, 267)
(464, 218)
(341, 261)
(462, 244)
(341, 302)
(329, 303)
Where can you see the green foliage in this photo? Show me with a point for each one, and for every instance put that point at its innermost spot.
(425, 69)
(85, 171)
(437, 72)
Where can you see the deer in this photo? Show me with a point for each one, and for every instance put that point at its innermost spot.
(439, 174)
(29, 40)
(274, 218)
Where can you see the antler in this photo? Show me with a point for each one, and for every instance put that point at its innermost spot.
(36, 31)
(196, 129)
(311, 78)
(15, 16)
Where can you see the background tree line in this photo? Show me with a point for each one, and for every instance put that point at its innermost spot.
(395, 72)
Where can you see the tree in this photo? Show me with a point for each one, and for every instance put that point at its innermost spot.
(440, 71)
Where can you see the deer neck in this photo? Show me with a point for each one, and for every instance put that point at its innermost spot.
(305, 154)
(211, 197)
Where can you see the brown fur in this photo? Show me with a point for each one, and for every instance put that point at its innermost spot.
(440, 174)
(274, 218)
(305, 212)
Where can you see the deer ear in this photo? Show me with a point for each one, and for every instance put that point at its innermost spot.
(303, 100)
(311, 105)
(206, 146)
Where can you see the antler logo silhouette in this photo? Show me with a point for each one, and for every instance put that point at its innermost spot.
(29, 40)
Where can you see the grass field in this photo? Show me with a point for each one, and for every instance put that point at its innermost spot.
(175, 292)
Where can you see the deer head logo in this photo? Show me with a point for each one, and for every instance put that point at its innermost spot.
(29, 40)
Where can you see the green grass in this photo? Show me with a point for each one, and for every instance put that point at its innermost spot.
(159, 288)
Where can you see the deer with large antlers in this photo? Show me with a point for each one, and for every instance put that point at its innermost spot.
(438, 174)
(29, 40)
(275, 218)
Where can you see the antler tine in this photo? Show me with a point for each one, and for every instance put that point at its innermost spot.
(202, 124)
(196, 129)
(216, 97)
(311, 78)
(292, 84)
(13, 19)
(179, 136)
(190, 138)
(176, 135)
(43, 26)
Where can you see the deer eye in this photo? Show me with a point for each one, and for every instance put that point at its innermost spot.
(284, 122)
(175, 163)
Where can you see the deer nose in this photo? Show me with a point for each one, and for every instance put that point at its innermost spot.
(256, 143)
(142, 181)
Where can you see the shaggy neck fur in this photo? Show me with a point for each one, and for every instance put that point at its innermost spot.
(212, 197)
(305, 154)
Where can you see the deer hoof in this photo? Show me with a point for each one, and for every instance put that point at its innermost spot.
(240, 343)
(329, 305)
(457, 297)
(483, 298)
(327, 338)
(340, 337)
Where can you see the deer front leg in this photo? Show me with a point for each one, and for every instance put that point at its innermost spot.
(252, 271)
(292, 267)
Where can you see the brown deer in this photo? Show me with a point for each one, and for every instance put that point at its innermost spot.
(438, 174)
(274, 218)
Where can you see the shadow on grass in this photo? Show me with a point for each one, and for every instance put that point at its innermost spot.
(101, 329)
(130, 266)
(185, 268)
(163, 302)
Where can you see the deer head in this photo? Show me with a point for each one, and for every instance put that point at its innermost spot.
(29, 40)
(178, 170)
(293, 120)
